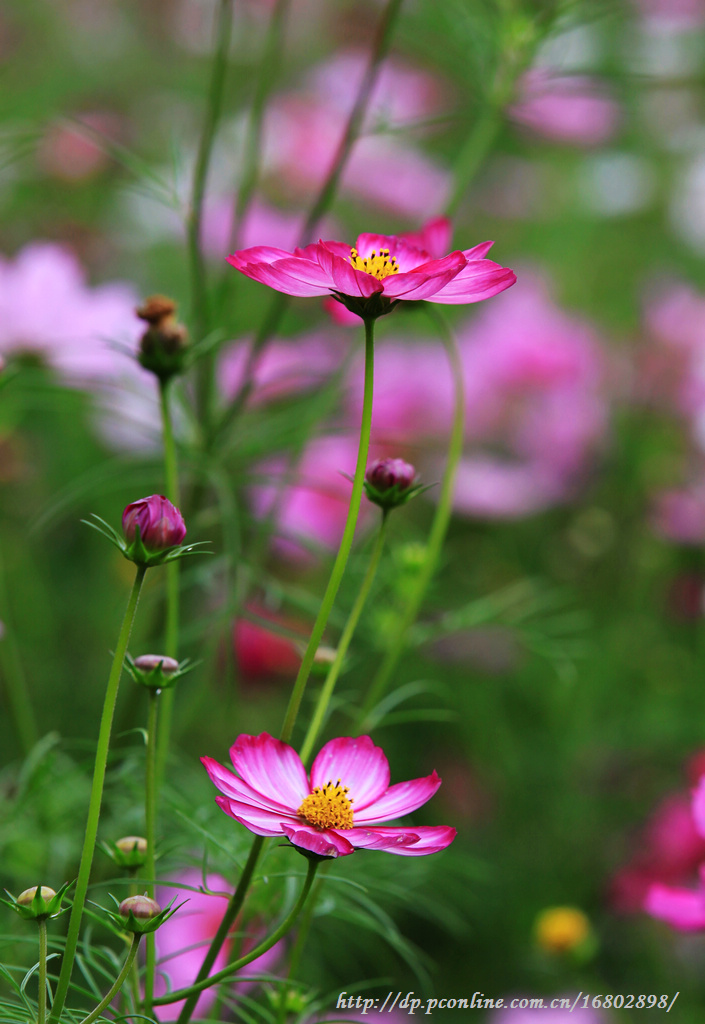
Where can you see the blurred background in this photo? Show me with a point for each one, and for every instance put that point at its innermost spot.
(556, 679)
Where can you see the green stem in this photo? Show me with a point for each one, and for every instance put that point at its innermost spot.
(345, 543)
(101, 760)
(343, 644)
(150, 817)
(20, 705)
(234, 907)
(473, 153)
(438, 530)
(42, 995)
(322, 202)
(173, 569)
(254, 954)
(199, 290)
(119, 982)
(301, 937)
(266, 75)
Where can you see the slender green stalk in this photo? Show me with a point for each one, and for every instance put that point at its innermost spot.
(322, 202)
(345, 543)
(42, 994)
(193, 990)
(343, 644)
(101, 760)
(269, 65)
(439, 526)
(119, 982)
(18, 699)
(234, 907)
(150, 817)
(301, 937)
(199, 288)
(173, 570)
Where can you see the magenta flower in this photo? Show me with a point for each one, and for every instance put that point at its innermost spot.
(683, 909)
(334, 813)
(370, 277)
(160, 523)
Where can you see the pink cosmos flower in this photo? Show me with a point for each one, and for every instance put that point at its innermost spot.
(161, 523)
(377, 272)
(679, 514)
(337, 810)
(564, 108)
(683, 909)
(183, 941)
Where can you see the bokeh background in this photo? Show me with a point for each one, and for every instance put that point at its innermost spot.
(556, 679)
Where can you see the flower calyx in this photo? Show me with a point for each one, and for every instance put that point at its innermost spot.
(163, 346)
(368, 307)
(37, 903)
(129, 852)
(156, 671)
(140, 914)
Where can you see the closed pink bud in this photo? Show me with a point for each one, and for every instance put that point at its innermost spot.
(160, 523)
(143, 908)
(384, 474)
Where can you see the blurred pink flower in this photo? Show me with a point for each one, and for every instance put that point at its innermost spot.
(534, 379)
(679, 515)
(674, 371)
(312, 509)
(302, 137)
(683, 909)
(46, 306)
(285, 367)
(69, 153)
(565, 108)
(263, 224)
(263, 654)
(677, 14)
(669, 848)
(183, 941)
(376, 273)
(271, 795)
(401, 94)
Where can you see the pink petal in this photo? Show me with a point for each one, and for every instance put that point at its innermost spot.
(271, 767)
(358, 763)
(326, 844)
(402, 798)
(306, 271)
(479, 280)
(283, 282)
(257, 819)
(257, 254)
(699, 806)
(432, 839)
(425, 280)
(477, 252)
(346, 278)
(341, 249)
(433, 238)
(380, 838)
(234, 787)
(681, 908)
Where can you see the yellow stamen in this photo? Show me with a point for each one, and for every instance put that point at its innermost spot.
(328, 806)
(378, 266)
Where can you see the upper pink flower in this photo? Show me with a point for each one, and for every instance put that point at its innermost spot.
(335, 812)
(377, 272)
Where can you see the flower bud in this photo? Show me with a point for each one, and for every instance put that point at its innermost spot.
(142, 907)
(45, 893)
(390, 482)
(152, 525)
(38, 902)
(129, 852)
(141, 914)
(164, 343)
(156, 671)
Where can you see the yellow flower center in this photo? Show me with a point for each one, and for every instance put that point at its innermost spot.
(379, 265)
(328, 806)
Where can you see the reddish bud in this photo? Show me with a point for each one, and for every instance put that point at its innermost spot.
(150, 662)
(143, 908)
(384, 474)
(161, 525)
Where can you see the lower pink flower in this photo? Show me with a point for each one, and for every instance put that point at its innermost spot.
(683, 909)
(183, 941)
(338, 810)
